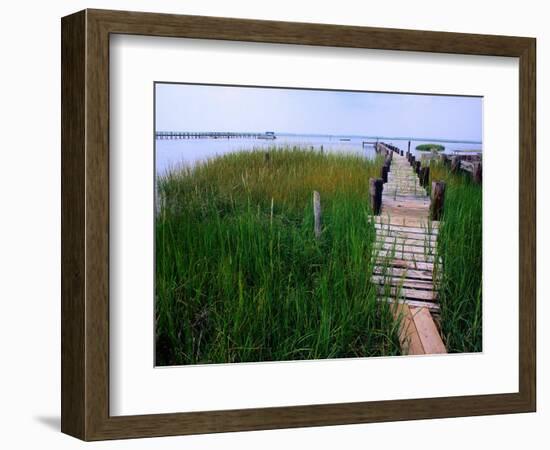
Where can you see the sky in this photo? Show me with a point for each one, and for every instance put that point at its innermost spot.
(181, 107)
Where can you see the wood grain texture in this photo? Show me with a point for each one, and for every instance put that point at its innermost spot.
(408, 333)
(527, 224)
(85, 224)
(427, 331)
(72, 224)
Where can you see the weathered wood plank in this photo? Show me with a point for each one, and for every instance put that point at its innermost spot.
(432, 307)
(399, 272)
(409, 338)
(403, 185)
(405, 221)
(407, 205)
(405, 229)
(407, 293)
(392, 189)
(417, 217)
(404, 264)
(398, 176)
(428, 332)
(403, 197)
(382, 233)
(401, 201)
(417, 239)
(424, 250)
(403, 282)
(398, 254)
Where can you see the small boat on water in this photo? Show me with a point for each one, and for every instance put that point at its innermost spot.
(268, 135)
(345, 139)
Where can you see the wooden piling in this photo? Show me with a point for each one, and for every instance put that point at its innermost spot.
(427, 177)
(376, 186)
(477, 172)
(409, 147)
(424, 176)
(455, 164)
(384, 172)
(416, 167)
(438, 200)
(317, 213)
(412, 160)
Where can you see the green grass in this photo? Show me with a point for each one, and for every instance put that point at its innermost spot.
(430, 147)
(460, 246)
(240, 276)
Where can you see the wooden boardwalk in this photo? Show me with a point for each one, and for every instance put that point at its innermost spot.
(406, 268)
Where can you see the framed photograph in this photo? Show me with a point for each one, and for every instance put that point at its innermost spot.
(272, 225)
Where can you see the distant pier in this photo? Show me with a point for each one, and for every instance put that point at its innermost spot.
(211, 135)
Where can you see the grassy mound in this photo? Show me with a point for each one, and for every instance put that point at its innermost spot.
(430, 147)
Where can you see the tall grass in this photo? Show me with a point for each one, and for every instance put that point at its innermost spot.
(460, 247)
(239, 274)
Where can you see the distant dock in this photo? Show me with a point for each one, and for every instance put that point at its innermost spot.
(212, 135)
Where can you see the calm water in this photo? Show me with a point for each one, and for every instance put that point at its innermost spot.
(178, 152)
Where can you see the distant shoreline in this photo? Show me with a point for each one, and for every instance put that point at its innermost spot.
(351, 136)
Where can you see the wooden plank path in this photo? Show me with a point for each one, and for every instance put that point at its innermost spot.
(405, 258)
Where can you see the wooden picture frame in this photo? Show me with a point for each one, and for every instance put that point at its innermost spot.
(85, 224)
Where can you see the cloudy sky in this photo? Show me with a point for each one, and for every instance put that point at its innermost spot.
(223, 108)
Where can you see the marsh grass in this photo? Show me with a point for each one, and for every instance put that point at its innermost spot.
(460, 247)
(240, 276)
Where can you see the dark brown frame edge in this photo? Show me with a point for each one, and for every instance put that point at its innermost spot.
(85, 224)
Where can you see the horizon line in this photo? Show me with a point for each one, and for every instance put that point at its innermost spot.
(370, 136)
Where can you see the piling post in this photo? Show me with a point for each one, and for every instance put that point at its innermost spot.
(416, 167)
(317, 214)
(477, 173)
(455, 164)
(424, 176)
(412, 160)
(376, 185)
(321, 149)
(427, 177)
(401, 152)
(409, 147)
(438, 200)
(384, 173)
